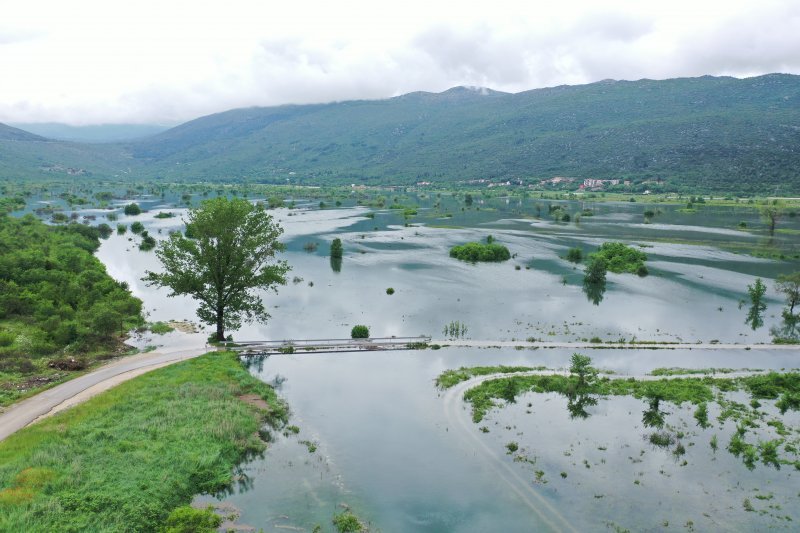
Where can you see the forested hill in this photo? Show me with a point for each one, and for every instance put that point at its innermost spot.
(717, 134)
(7, 133)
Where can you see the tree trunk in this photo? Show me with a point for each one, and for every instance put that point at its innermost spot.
(220, 326)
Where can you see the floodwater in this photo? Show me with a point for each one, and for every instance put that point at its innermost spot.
(376, 435)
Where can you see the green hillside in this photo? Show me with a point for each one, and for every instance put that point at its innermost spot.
(713, 134)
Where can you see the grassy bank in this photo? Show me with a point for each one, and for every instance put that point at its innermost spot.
(124, 459)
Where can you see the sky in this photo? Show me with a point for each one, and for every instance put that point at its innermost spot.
(167, 61)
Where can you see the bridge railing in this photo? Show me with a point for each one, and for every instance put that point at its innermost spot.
(299, 343)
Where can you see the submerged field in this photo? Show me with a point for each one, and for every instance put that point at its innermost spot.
(372, 430)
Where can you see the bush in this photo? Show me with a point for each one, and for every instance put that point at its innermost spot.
(575, 255)
(336, 248)
(621, 258)
(476, 251)
(133, 209)
(390, 291)
(137, 227)
(359, 332)
(347, 522)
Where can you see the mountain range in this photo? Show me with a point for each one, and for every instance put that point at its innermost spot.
(707, 133)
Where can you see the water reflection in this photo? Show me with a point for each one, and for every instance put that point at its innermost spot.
(653, 417)
(754, 318)
(577, 404)
(594, 291)
(789, 329)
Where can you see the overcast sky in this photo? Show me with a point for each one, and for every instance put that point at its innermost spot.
(166, 61)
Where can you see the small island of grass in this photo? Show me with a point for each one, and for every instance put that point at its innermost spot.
(478, 251)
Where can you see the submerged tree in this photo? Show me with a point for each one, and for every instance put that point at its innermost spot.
(336, 248)
(230, 255)
(756, 291)
(578, 398)
(789, 286)
(771, 213)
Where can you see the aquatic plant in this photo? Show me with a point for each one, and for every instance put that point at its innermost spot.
(575, 255)
(455, 329)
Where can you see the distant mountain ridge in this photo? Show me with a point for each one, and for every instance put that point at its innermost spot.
(97, 133)
(709, 133)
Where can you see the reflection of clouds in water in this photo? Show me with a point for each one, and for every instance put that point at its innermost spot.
(694, 229)
(494, 300)
(316, 222)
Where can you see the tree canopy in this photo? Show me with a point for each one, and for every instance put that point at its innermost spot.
(230, 255)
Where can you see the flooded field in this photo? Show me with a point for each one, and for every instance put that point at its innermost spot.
(373, 432)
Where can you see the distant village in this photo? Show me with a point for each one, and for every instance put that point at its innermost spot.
(560, 182)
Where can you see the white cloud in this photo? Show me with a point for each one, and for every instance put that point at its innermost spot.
(92, 61)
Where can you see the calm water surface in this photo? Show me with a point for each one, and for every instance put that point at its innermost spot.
(406, 457)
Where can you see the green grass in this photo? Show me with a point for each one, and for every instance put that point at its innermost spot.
(126, 458)
(782, 386)
(451, 378)
(160, 328)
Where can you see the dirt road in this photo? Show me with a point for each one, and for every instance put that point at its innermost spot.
(84, 387)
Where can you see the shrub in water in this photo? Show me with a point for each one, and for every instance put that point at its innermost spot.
(360, 332)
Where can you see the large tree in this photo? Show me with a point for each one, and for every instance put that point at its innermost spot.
(230, 255)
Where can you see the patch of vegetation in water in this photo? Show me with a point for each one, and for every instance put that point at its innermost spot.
(620, 258)
(451, 378)
(100, 466)
(347, 522)
(581, 390)
(160, 328)
(474, 252)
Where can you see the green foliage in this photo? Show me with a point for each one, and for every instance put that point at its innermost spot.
(620, 258)
(575, 255)
(390, 291)
(336, 248)
(101, 465)
(230, 255)
(347, 522)
(160, 328)
(137, 227)
(162, 214)
(359, 332)
(700, 133)
(148, 242)
(54, 293)
(275, 202)
(132, 209)
(789, 286)
(701, 415)
(477, 251)
(581, 367)
(187, 519)
(756, 291)
(455, 329)
(595, 272)
(451, 378)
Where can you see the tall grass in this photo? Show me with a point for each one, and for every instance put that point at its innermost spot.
(124, 459)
